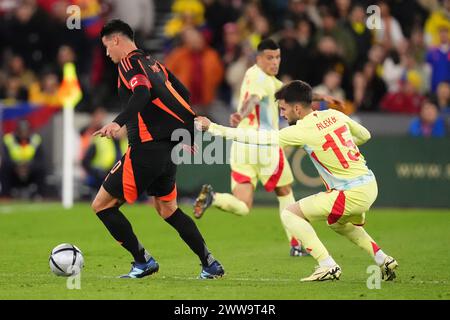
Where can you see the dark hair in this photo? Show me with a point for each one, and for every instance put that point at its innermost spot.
(295, 91)
(431, 98)
(117, 26)
(267, 44)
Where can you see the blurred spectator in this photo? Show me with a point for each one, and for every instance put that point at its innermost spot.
(362, 36)
(7, 6)
(359, 90)
(187, 14)
(420, 71)
(304, 34)
(443, 97)
(303, 9)
(65, 55)
(45, 92)
(219, 13)
(417, 46)
(327, 58)
(407, 100)
(439, 59)
(139, 14)
(23, 162)
(345, 42)
(246, 22)
(402, 62)
(429, 123)
(440, 17)
(394, 67)
(97, 121)
(274, 10)
(290, 51)
(28, 34)
(409, 13)
(377, 55)
(101, 156)
(197, 66)
(236, 71)
(343, 10)
(331, 85)
(231, 49)
(76, 39)
(253, 25)
(13, 91)
(390, 34)
(260, 31)
(368, 89)
(17, 68)
(398, 63)
(230, 52)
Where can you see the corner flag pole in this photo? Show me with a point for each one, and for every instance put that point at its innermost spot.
(70, 94)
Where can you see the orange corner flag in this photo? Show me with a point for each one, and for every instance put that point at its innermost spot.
(69, 90)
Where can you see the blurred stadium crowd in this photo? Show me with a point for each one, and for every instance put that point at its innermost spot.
(401, 67)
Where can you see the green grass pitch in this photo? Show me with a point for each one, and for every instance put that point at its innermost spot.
(252, 249)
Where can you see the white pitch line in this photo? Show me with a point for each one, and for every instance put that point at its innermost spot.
(238, 279)
(28, 208)
(224, 278)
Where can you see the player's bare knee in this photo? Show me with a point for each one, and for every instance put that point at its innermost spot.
(244, 192)
(295, 209)
(99, 204)
(166, 208)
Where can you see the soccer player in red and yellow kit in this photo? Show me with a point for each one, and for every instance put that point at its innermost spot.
(330, 138)
(251, 164)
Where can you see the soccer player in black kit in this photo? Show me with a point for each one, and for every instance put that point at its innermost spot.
(155, 105)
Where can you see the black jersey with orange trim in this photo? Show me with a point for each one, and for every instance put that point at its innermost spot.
(164, 110)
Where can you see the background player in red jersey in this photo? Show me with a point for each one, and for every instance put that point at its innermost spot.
(155, 105)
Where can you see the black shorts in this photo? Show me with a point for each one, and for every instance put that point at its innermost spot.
(147, 169)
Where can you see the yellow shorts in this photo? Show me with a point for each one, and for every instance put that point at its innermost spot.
(340, 206)
(250, 164)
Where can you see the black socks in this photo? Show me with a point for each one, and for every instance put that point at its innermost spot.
(120, 228)
(189, 232)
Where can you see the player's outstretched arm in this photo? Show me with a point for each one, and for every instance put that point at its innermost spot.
(338, 104)
(111, 130)
(260, 137)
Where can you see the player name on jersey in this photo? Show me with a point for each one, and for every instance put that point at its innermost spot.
(326, 123)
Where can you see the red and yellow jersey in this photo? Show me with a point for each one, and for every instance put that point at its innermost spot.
(329, 137)
(265, 115)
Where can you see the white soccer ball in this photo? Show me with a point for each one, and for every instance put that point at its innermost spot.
(66, 260)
